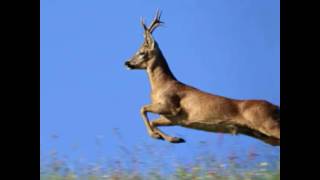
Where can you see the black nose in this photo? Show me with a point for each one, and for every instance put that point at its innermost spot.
(127, 63)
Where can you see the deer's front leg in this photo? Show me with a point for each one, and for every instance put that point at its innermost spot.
(162, 121)
(154, 131)
(146, 121)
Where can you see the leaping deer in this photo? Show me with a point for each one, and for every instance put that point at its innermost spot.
(183, 105)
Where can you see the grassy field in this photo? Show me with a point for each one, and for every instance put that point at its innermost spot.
(180, 174)
(130, 167)
(151, 162)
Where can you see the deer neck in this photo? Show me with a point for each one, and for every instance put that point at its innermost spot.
(159, 73)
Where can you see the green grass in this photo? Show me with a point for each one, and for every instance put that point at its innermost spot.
(205, 169)
(180, 173)
(130, 165)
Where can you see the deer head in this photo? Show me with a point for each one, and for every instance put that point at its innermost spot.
(147, 53)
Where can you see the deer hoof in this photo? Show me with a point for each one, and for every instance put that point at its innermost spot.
(177, 140)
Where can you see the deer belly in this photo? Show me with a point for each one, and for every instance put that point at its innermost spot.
(212, 127)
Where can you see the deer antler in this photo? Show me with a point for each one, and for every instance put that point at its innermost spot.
(156, 22)
(143, 25)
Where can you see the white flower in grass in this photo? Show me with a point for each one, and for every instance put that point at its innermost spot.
(105, 176)
(264, 164)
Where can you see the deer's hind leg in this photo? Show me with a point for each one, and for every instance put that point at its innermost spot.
(264, 117)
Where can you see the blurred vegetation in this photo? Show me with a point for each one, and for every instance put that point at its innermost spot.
(182, 172)
(129, 166)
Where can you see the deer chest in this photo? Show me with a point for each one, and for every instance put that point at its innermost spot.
(165, 98)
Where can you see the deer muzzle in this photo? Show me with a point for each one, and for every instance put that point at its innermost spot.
(128, 65)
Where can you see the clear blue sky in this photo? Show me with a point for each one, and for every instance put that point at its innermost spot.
(230, 48)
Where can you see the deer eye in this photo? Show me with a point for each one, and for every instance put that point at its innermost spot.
(142, 54)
